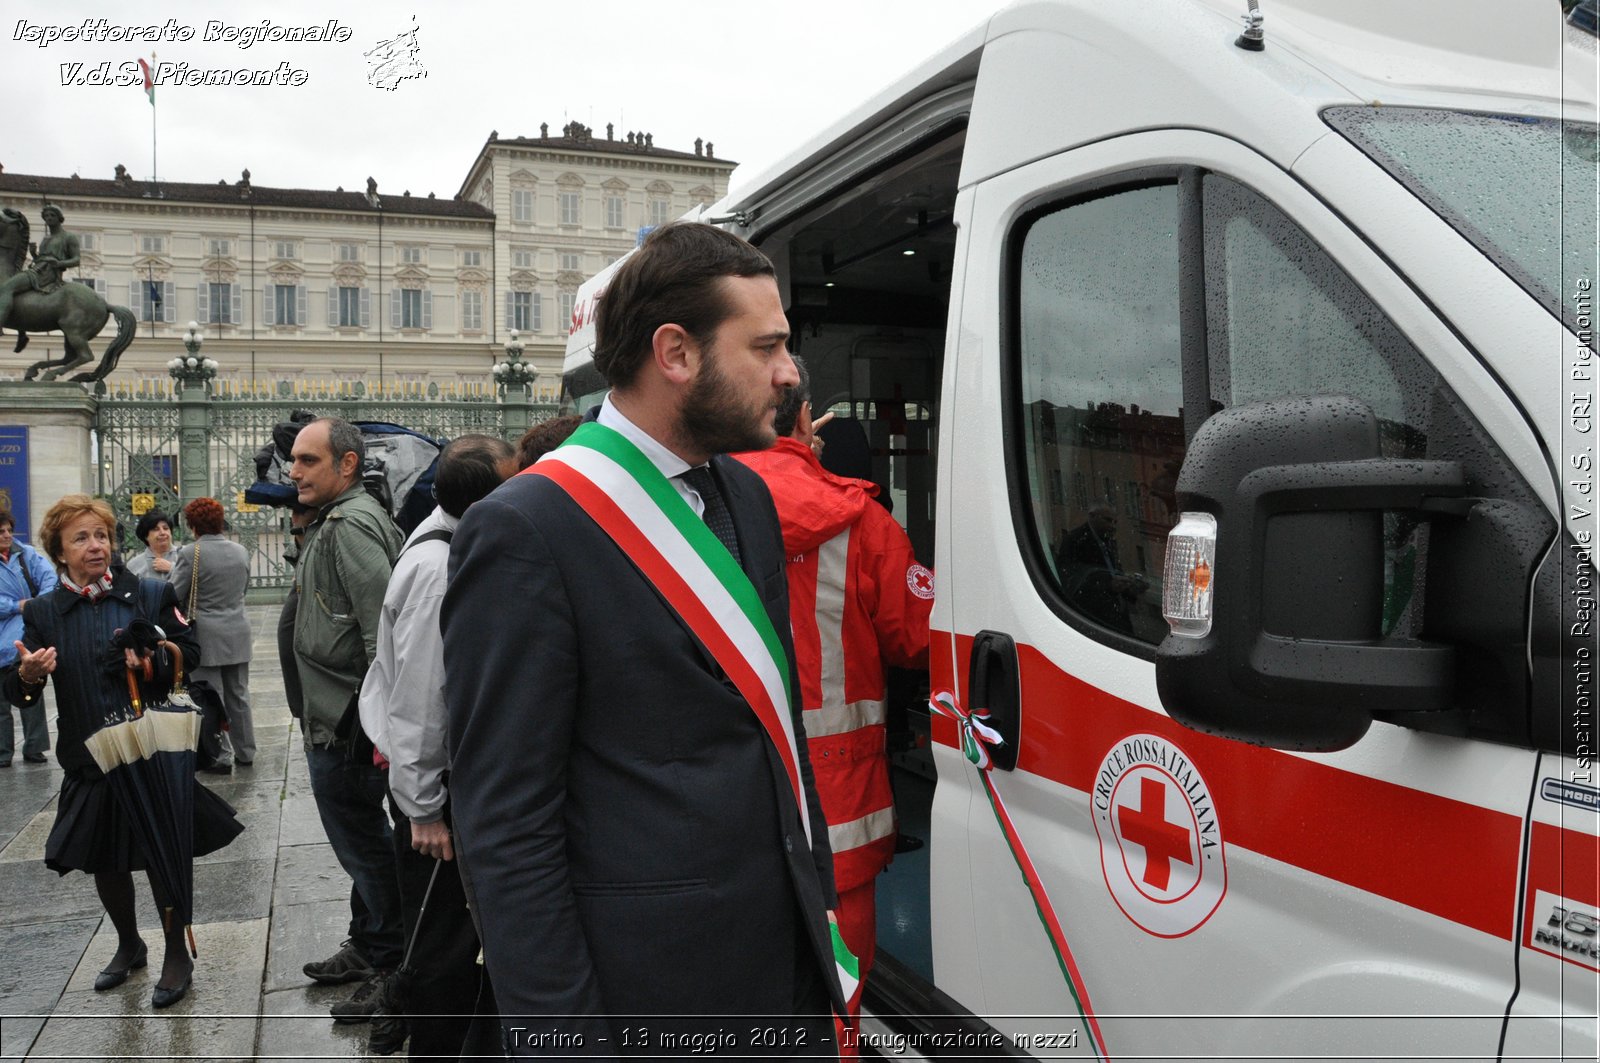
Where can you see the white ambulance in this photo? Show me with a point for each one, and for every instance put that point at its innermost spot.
(1236, 374)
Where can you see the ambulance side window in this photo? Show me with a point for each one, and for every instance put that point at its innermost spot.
(1100, 374)
(1283, 320)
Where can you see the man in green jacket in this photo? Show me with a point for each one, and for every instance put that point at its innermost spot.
(343, 570)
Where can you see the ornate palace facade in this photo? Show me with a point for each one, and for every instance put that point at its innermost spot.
(368, 284)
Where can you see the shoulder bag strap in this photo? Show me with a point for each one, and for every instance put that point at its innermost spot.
(27, 577)
(194, 577)
(438, 535)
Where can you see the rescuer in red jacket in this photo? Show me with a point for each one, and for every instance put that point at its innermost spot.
(858, 602)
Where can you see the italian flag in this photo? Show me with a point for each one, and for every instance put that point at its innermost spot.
(846, 964)
(149, 81)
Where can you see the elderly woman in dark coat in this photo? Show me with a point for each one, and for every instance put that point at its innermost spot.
(66, 635)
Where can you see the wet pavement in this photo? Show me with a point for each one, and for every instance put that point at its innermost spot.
(266, 904)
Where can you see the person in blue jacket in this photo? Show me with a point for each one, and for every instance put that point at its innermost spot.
(24, 574)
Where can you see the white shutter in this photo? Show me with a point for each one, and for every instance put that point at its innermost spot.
(236, 296)
(136, 294)
(302, 306)
(395, 312)
(169, 302)
(268, 311)
(333, 308)
(511, 311)
(202, 302)
(536, 314)
(427, 308)
(366, 308)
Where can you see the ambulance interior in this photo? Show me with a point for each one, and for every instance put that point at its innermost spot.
(866, 280)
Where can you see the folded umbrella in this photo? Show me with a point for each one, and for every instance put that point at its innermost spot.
(149, 760)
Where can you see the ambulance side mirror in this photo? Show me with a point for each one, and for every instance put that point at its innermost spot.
(1277, 621)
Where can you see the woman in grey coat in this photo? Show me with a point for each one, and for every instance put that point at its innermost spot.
(216, 585)
(155, 560)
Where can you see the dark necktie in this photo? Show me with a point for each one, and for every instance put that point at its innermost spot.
(716, 516)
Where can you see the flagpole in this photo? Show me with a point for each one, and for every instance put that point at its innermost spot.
(154, 173)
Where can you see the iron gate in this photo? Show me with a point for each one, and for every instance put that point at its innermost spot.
(151, 452)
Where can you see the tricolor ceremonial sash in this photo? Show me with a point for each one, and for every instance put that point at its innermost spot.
(626, 495)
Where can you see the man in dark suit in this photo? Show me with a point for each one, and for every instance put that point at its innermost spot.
(639, 842)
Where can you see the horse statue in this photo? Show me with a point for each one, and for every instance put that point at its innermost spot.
(75, 309)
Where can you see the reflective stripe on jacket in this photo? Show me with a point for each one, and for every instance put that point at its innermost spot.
(856, 605)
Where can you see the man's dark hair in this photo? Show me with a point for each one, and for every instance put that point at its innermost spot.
(789, 409)
(544, 437)
(345, 438)
(675, 278)
(469, 468)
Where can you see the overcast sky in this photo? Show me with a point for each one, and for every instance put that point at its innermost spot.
(754, 78)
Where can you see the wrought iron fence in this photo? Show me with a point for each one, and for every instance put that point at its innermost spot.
(159, 448)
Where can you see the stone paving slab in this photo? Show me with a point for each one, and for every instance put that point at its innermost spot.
(258, 842)
(300, 824)
(296, 1024)
(39, 961)
(302, 933)
(217, 1018)
(144, 1035)
(32, 893)
(28, 844)
(309, 873)
(18, 1034)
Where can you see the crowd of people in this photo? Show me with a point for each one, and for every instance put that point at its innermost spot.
(599, 741)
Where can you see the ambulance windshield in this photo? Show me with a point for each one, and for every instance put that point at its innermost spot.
(1521, 188)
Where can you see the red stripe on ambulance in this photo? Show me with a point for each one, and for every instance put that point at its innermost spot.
(1439, 855)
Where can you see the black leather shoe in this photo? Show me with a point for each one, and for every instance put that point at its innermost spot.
(112, 977)
(165, 998)
(225, 768)
(34, 758)
(907, 843)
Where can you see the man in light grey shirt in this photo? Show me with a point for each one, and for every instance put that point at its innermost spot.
(403, 712)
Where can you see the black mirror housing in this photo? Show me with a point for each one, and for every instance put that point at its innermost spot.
(1296, 658)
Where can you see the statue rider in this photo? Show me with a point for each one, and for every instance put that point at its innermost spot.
(52, 257)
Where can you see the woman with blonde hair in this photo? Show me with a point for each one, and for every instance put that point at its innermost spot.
(66, 638)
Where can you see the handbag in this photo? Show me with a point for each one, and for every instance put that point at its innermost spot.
(208, 700)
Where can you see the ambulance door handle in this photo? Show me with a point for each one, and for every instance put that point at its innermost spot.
(994, 685)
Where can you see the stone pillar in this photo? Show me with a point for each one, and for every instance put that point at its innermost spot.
(59, 417)
(194, 449)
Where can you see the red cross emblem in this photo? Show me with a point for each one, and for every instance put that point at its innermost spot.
(1148, 827)
(1161, 846)
(920, 580)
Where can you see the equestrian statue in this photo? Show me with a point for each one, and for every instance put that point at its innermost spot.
(39, 298)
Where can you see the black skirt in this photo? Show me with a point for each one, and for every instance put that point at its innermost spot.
(92, 832)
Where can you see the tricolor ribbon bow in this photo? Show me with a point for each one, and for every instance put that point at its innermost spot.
(976, 734)
(977, 738)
